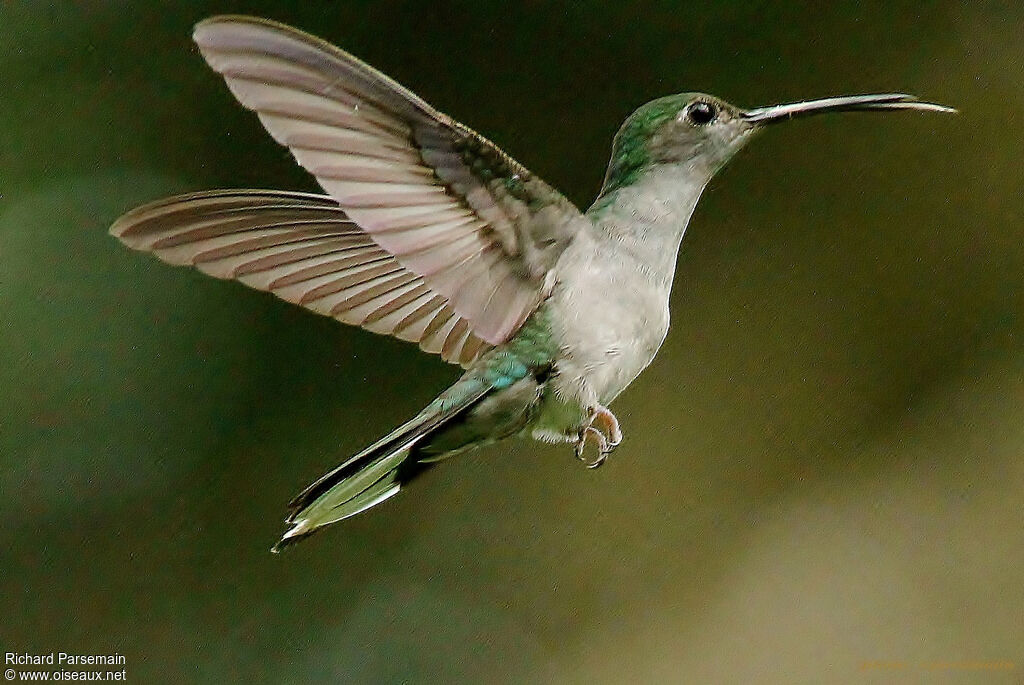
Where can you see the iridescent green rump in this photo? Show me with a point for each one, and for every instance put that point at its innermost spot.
(531, 350)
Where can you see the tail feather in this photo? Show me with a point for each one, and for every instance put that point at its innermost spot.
(312, 521)
(376, 473)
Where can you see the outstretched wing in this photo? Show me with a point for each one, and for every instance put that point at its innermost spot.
(304, 249)
(452, 208)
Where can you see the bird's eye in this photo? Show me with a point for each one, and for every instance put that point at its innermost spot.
(701, 112)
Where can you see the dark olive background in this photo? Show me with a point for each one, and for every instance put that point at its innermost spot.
(823, 469)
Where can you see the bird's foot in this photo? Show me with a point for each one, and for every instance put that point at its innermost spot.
(603, 432)
(609, 425)
(591, 435)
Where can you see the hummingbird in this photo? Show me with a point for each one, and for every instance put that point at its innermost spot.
(431, 233)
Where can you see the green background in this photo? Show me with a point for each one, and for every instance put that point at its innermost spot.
(823, 468)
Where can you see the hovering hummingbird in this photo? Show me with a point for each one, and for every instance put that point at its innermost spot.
(431, 233)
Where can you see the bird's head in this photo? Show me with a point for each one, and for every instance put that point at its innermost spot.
(701, 132)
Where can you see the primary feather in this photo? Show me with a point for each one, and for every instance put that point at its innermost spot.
(304, 249)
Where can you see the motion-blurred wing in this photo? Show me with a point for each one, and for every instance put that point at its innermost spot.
(479, 229)
(304, 249)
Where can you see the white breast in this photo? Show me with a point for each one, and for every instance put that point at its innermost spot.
(610, 306)
(610, 315)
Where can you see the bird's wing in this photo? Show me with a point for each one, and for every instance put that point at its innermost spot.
(304, 249)
(449, 205)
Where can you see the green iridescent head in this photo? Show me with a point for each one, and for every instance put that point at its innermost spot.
(703, 132)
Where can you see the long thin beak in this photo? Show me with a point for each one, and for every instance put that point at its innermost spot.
(883, 102)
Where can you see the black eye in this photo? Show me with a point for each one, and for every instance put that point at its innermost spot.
(701, 112)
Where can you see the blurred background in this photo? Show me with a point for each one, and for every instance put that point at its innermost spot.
(823, 476)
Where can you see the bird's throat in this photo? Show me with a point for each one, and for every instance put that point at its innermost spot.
(647, 218)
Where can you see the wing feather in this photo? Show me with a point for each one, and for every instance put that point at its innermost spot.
(431, 233)
(409, 176)
(304, 249)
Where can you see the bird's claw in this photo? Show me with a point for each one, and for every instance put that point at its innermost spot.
(609, 425)
(606, 436)
(588, 435)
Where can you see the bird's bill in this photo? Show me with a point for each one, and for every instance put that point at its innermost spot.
(882, 102)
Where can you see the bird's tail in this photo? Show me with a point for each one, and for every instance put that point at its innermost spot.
(376, 473)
